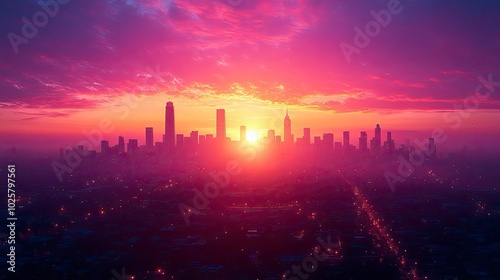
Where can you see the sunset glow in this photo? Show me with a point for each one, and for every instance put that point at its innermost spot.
(252, 136)
(253, 58)
(250, 139)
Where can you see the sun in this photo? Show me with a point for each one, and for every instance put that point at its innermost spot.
(252, 136)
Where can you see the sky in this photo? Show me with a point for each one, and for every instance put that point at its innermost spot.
(67, 67)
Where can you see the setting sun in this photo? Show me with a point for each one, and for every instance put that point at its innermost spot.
(252, 136)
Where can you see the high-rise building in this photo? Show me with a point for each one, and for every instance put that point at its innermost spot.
(149, 137)
(271, 135)
(328, 142)
(378, 137)
(347, 144)
(307, 136)
(317, 144)
(363, 141)
(121, 144)
(104, 146)
(132, 145)
(389, 143)
(243, 133)
(220, 132)
(288, 137)
(278, 139)
(193, 142)
(180, 140)
(169, 137)
(376, 142)
(194, 137)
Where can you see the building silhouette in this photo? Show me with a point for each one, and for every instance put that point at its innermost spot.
(317, 143)
(180, 140)
(220, 132)
(149, 137)
(271, 135)
(328, 142)
(346, 141)
(389, 143)
(105, 147)
(306, 140)
(306, 147)
(169, 137)
(121, 144)
(287, 133)
(132, 145)
(376, 142)
(363, 141)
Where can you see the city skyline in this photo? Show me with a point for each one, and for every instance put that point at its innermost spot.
(250, 139)
(297, 60)
(326, 140)
(233, 132)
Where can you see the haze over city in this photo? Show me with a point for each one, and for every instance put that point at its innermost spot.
(241, 139)
(253, 58)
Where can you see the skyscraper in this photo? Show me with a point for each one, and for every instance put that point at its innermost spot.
(194, 137)
(378, 136)
(328, 142)
(149, 137)
(180, 140)
(271, 135)
(193, 142)
(288, 138)
(132, 145)
(363, 141)
(104, 146)
(121, 144)
(243, 133)
(389, 144)
(347, 144)
(307, 136)
(376, 142)
(169, 137)
(220, 132)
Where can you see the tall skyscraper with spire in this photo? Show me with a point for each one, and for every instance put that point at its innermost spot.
(376, 142)
(220, 131)
(169, 137)
(288, 138)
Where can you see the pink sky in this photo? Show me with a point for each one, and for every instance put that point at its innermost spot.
(254, 59)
